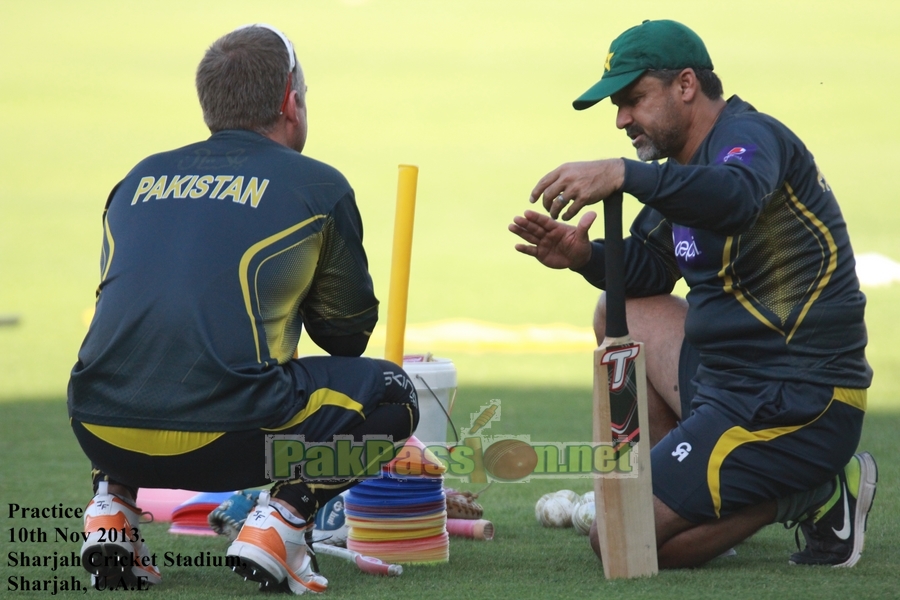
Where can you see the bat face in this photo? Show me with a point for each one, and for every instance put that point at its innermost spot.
(624, 505)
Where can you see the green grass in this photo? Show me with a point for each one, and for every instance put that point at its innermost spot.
(43, 466)
(477, 94)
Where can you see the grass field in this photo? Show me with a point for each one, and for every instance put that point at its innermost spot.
(478, 95)
(524, 560)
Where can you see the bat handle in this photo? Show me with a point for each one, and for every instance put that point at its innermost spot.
(374, 566)
(616, 324)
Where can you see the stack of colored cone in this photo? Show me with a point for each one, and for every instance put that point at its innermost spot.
(401, 517)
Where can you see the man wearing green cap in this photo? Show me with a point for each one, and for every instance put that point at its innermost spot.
(757, 380)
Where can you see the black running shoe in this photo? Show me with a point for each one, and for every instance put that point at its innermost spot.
(835, 533)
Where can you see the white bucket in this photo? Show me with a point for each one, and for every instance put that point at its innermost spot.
(435, 383)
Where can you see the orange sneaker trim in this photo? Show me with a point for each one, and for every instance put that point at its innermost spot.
(268, 539)
(107, 522)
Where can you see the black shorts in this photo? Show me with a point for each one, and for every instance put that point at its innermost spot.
(756, 441)
(332, 396)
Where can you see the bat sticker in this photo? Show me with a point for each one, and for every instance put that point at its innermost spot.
(623, 402)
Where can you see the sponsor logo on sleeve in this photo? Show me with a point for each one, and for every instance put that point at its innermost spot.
(736, 154)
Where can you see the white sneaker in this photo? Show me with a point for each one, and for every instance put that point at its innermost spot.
(271, 549)
(114, 552)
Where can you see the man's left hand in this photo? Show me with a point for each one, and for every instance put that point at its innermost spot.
(554, 244)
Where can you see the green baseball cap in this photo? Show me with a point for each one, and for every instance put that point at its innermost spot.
(652, 45)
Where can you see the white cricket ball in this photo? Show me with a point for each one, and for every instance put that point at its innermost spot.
(569, 495)
(587, 498)
(557, 512)
(583, 517)
(539, 504)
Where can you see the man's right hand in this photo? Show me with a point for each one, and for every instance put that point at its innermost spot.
(556, 245)
(580, 183)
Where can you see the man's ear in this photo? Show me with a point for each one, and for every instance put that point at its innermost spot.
(292, 106)
(688, 84)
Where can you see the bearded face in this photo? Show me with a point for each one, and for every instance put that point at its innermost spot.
(649, 115)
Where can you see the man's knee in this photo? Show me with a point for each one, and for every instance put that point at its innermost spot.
(647, 317)
(399, 389)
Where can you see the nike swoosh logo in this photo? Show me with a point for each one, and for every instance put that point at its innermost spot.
(844, 532)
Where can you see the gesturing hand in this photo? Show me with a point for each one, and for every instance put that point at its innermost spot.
(580, 183)
(556, 245)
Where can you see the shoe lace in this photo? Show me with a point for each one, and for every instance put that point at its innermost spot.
(310, 551)
(795, 525)
(797, 536)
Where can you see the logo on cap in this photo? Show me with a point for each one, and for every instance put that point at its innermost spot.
(609, 56)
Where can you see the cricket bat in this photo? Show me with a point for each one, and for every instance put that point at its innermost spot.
(624, 498)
